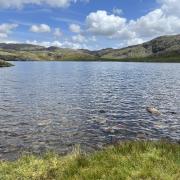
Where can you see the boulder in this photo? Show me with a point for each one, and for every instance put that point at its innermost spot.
(153, 111)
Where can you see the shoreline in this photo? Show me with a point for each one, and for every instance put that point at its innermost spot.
(138, 60)
(5, 64)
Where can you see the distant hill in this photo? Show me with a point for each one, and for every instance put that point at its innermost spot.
(27, 52)
(165, 48)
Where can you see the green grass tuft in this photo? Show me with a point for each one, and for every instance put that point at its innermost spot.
(129, 160)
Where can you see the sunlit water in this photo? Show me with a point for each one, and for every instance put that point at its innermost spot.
(56, 105)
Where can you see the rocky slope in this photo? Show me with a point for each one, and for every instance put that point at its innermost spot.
(165, 48)
(160, 48)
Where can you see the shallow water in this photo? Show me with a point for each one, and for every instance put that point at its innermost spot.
(56, 105)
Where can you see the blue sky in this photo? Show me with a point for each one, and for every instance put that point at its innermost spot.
(91, 24)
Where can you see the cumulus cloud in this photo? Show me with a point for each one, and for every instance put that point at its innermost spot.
(45, 43)
(117, 11)
(63, 44)
(170, 7)
(75, 28)
(74, 45)
(93, 38)
(101, 23)
(79, 38)
(162, 21)
(41, 28)
(22, 3)
(133, 41)
(6, 29)
(157, 22)
(57, 32)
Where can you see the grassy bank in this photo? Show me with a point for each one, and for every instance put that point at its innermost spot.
(4, 64)
(130, 160)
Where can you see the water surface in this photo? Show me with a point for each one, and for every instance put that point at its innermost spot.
(56, 105)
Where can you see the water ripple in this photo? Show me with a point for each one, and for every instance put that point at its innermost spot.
(56, 105)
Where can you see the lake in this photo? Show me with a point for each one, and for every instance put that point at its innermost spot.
(57, 105)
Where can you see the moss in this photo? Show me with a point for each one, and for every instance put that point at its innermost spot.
(129, 160)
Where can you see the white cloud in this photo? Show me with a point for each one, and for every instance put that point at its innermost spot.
(161, 21)
(134, 41)
(170, 7)
(45, 43)
(42, 43)
(9, 41)
(6, 29)
(79, 39)
(156, 23)
(100, 23)
(74, 45)
(93, 38)
(164, 20)
(42, 28)
(64, 44)
(117, 11)
(75, 28)
(57, 32)
(22, 3)
(150, 24)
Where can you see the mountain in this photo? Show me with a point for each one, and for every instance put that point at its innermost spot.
(165, 48)
(25, 52)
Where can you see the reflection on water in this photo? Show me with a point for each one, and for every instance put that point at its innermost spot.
(55, 105)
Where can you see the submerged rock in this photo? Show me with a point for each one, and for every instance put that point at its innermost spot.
(102, 111)
(108, 130)
(172, 112)
(141, 136)
(100, 121)
(153, 111)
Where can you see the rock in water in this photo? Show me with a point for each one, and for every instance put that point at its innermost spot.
(102, 111)
(173, 113)
(153, 111)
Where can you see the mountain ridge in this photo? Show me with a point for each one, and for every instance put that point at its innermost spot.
(163, 48)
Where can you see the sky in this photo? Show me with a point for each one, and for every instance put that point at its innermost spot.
(87, 24)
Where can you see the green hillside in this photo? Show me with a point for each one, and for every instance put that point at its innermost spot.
(161, 49)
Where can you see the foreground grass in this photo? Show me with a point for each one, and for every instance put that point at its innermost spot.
(130, 160)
